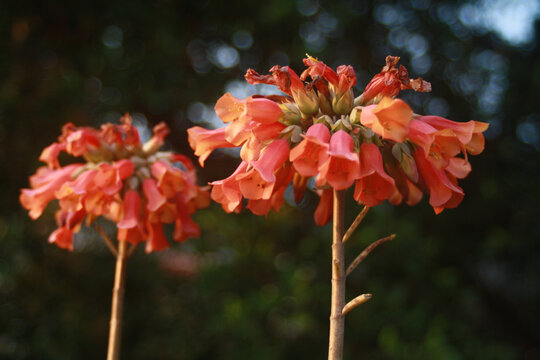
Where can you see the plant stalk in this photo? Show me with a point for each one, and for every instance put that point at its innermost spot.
(115, 331)
(337, 319)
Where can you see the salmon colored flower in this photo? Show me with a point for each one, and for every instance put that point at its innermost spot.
(227, 191)
(263, 206)
(259, 181)
(123, 180)
(373, 185)
(390, 119)
(323, 213)
(206, 141)
(443, 191)
(44, 185)
(442, 139)
(312, 151)
(342, 165)
(132, 209)
(154, 196)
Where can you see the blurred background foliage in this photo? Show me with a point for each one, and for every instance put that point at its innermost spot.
(461, 285)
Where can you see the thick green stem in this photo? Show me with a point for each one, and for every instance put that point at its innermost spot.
(115, 331)
(337, 319)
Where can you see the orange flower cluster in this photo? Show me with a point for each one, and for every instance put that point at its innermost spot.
(318, 129)
(128, 182)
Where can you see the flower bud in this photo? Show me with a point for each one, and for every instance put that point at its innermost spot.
(291, 114)
(354, 117)
(324, 104)
(342, 124)
(307, 101)
(325, 119)
(402, 154)
(343, 103)
(292, 133)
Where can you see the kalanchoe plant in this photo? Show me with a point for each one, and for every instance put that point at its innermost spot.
(317, 128)
(122, 180)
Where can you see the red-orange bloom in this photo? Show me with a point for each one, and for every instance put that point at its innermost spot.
(259, 181)
(227, 191)
(132, 208)
(390, 119)
(312, 151)
(374, 185)
(44, 185)
(443, 191)
(342, 166)
(323, 212)
(123, 180)
(206, 141)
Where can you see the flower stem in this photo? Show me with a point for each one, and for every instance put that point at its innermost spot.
(337, 319)
(115, 330)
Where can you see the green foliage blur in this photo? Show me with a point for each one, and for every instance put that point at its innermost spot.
(461, 285)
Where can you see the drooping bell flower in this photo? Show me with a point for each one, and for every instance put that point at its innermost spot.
(132, 208)
(323, 212)
(206, 141)
(443, 192)
(157, 240)
(154, 196)
(44, 184)
(68, 222)
(185, 227)
(227, 191)
(312, 151)
(263, 206)
(373, 185)
(258, 182)
(438, 145)
(389, 119)
(342, 165)
(243, 115)
(477, 143)
(123, 180)
(263, 111)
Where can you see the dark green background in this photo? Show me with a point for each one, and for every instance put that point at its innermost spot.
(461, 285)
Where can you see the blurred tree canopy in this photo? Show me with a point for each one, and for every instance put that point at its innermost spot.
(461, 285)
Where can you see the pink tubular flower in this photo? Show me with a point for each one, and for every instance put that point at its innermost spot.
(319, 130)
(390, 119)
(443, 192)
(442, 139)
(312, 151)
(323, 213)
(44, 185)
(374, 185)
(258, 182)
(227, 191)
(342, 166)
(263, 111)
(206, 141)
(123, 180)
(132, 208)
(154, 196)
